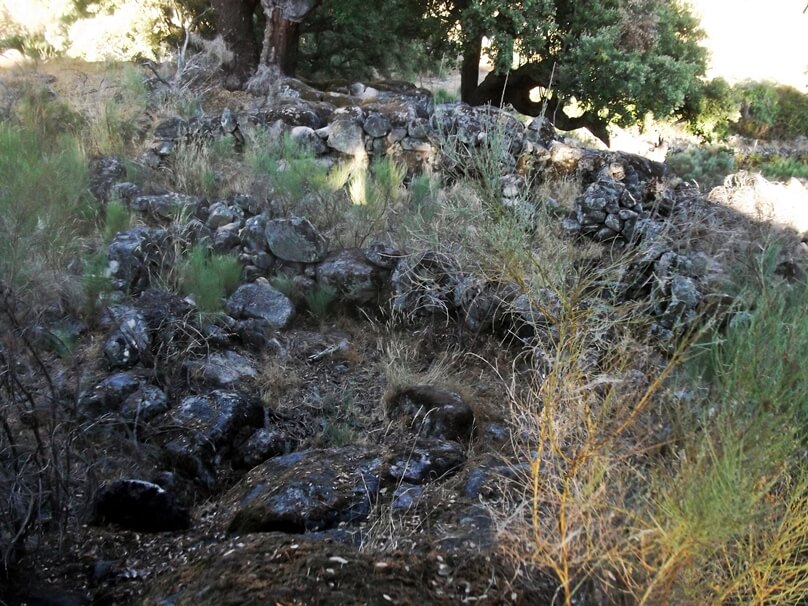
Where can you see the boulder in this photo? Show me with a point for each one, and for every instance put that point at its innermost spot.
(143, 405)
(227, 369)
(138, 505)
(345, 136)
(108, 395)
(307, 138)
(351, 275)
(260, 301)
(431, 411)
(129, 342)
(423, 461)
(423, 284)
(104, 172)
(170, 206)
(296, 239)
(264, 444)
(218, 416)
(134, 256)
(309, 490)
(377, 125)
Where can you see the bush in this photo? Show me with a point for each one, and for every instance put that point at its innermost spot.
(769, 111)
(117, 218)
(209, 278)
(707, 166)
(44, 201)
(711, 109)
(320, 300)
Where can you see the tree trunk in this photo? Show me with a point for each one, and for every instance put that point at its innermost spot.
(470, 69)
(234, 22)
(282, 34)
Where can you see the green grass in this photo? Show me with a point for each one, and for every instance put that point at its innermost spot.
(45, 206)
(209, 278)
(320, 300)
(117, 218)
(706, 165)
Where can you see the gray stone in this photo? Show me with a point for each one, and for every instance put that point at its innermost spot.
(171, 206)
(305, 491)
(261, 301)
(425, 460)
(253, 234)
(382, 255)
(295, 239)
(376, 125)
(144, 404)
(107, 396)
(353, 277)
(220, 214)
(406, 496)
(308, 139)
(227, 369)
(432, 412)
(129, 342)
(134, 256)
(345, 135)
(262, 445)
(218, 416)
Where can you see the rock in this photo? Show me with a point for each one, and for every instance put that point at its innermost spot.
(308, 139)
(406, 496)
(296, 239)
(134, 256)
(382, 255)
(261, 301)
(377, 125)
(194, 457)
(226, 369)
(345, 136)
(309, 490)
(171, 206)
(423, 284)
(218, 416)
(537, 310)
(125, 192)
(108, 395)
(432, 412)
(484, 304)
(247, 203)
(144, 404)
(425, 460)
(486, 481)
(260, 446)
(253, 234)
(138, 505)
(354, 278)
(220, 214)
(103, 173)
(129, 342)
(226, 238)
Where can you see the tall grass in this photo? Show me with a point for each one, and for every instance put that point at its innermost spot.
(44, 201)
(208, 278)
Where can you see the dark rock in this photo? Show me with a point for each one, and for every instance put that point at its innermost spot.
(247, 203)
(487, 481)
(425, 460)
(433, 412)
(345, 136)
(484, 304)
(377, 125)
(406, 496)
(260, 446)
(220, 214)
(109, 394)
(194, 457)
(309, 490)
(307, 138)
(423, 284)
(144, 404)
(351, 275)
(226, 238)
(125, 192)
(218, 416)
(138, 505)
(382, 255)
(227, 369)
(168, 206)
(129, 342)
(134, 256)
(253, 234)
(262, 302)
(104, 172)
(295, 239)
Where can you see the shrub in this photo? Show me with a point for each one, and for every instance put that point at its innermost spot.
(320, 300)
(711, 109)
(44, 202)
(770, 111)
(707, 166)
(783, 169)
(117, 218)
(208, 278)
(443, 96)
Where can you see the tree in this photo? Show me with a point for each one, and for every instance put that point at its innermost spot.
(612, 61)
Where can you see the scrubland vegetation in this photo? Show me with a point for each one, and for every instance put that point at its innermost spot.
(643, 470)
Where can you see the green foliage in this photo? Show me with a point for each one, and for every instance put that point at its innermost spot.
(781, 168)
(705, 165)
(443, 96)
(710, 108)
(770, 111)
(350, 39)
(44, 201)
(208, 278)
(292, 168)
(320, 300)
(117, 218)
(95, 281)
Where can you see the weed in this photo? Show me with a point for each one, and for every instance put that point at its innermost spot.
(707, 166)
(443, 96)
(95, 281)
(117, 218)
(320, 300)
(208, 278)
